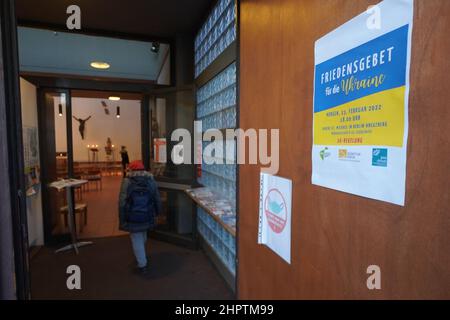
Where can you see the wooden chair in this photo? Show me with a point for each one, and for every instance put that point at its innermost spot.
(79, 193)
(81, 211)
(93, 177)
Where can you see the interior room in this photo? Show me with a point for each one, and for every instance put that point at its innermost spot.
(91, 104)
(111, 128)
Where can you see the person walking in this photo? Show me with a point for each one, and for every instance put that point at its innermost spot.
(139, 204)
(125, 160)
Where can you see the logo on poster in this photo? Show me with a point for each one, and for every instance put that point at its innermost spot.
(379, 157)
(345, 155)
(275, 209)
(324, 153)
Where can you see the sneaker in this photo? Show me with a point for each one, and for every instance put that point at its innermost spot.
(143, 271)
(140, 271)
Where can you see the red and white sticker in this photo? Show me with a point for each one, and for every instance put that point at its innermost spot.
(276, 211)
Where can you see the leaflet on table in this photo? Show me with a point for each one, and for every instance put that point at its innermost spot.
(210, 200)
(64, 183)
(218, 207)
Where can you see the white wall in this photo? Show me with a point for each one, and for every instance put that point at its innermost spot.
(125, 130)
(34, 203)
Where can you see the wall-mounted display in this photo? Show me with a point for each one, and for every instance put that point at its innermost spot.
(360, 112)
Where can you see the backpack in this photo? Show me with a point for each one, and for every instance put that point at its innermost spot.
(139, 202)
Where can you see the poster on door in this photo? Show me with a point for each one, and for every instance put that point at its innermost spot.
(275, 214)
(360, 111)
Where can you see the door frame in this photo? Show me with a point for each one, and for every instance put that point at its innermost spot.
(13, 130)
(13, 120)
(173, 186)
(45, 155)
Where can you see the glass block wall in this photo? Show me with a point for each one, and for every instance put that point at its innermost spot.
(218, 32)
(222, 242)
(216, 108)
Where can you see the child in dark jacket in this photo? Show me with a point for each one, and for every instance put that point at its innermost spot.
(139, 203)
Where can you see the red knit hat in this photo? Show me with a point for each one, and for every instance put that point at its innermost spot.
(136, 165)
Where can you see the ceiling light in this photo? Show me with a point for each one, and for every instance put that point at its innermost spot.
(155, 47)
(114, 98)
(118, 112)
(100, 65)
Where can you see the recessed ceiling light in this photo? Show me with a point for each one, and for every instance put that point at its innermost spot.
(114, 98)
(155, 47)
(100, 65)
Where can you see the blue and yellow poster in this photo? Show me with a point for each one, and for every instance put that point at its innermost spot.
(360, 112)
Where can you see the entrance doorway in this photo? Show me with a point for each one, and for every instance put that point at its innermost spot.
(142, 65)
(112, 131)
(66, 153)
(82, 135)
